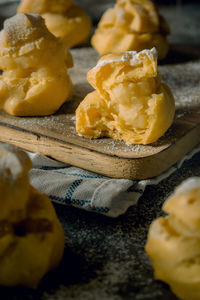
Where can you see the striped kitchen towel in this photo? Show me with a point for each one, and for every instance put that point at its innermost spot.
(70, 185)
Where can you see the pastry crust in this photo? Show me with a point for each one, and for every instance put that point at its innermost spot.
(131, 25)
(63, 18)
(31, 236)
(174, 241)
(34, 64)
(129, 102)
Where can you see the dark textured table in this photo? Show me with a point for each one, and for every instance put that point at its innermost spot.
(104, 258)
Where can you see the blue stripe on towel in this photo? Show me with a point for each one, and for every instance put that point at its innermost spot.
(79, 175)
(69, 200)
(73, 187)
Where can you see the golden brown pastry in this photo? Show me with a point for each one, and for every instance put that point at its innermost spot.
(130, 103)
(34, 64)
(31, 237)
(131, 25)
(62, 17)
(174, 241)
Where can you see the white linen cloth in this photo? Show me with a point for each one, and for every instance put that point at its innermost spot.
(70, 185)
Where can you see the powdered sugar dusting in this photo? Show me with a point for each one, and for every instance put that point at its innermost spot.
(16, 27)
(132, 57)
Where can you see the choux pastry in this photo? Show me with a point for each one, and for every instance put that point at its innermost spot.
(131, 25)
(63, 18)
(34, 64)
(174, 241)
(31, 236)
(130, 102)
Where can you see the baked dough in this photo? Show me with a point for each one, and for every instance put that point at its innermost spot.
(34, 64)
(131, 25)
(31, 237)
(130, 103)
(174, 241)
(62, 17)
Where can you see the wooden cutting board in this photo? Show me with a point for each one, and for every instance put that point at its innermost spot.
(56, 137)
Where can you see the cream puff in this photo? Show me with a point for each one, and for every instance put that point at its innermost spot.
(173, 242)
(34, 63)
(131, 25)
(130, 102)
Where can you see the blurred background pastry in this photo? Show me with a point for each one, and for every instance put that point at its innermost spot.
(131, 25)
(31, 236)
(34, 64)
(129, 102)
(174, 241)
(63, 18)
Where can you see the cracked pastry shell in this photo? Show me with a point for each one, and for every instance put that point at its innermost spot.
(129, 103)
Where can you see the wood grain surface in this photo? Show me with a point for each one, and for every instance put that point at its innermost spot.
(56, 137)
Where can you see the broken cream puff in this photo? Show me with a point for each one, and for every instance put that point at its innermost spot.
(173, 241)
(34, 63)
(64, 19)
(130, 102)
(131, 25)
(31, 236)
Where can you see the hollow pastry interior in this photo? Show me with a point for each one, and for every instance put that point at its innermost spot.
(131, 25)
(174, 241)
(129, 103)
(64, 19)
(31, 236)
(34, 64)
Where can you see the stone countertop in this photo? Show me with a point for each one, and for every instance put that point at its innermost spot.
(104, 258)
